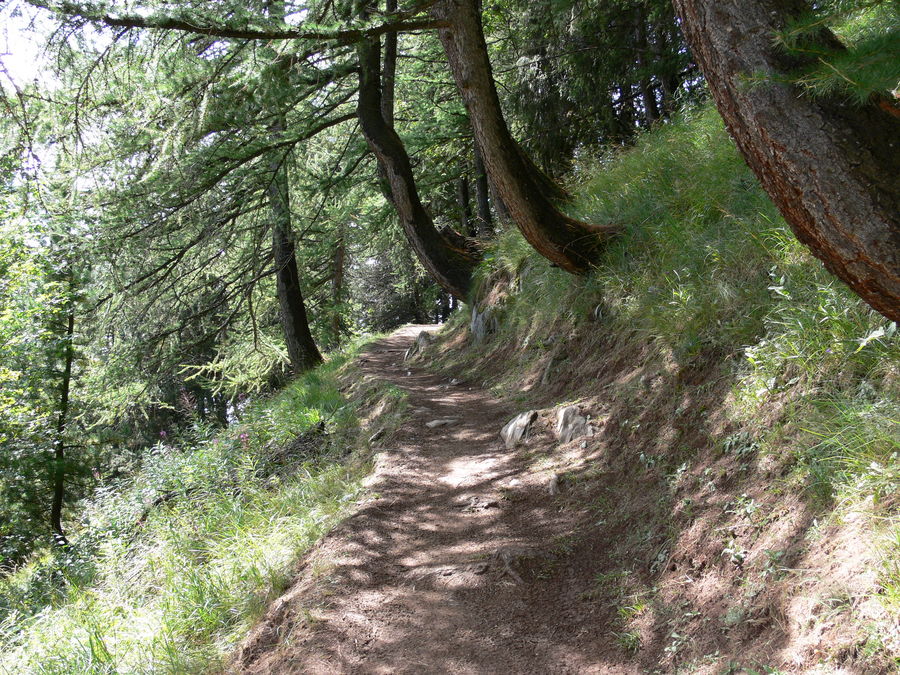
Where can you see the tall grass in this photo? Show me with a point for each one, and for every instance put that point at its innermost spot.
(171, 587)
(707, 266)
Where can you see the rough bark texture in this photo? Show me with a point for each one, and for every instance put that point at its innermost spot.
(525, 191)
(446, 256)
(832, 169)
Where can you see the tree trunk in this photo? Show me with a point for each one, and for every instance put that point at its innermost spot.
(389, 71)
(832, 169)
(465, 210)
(525, 191)
(302, 350)
(447, 257)
(337, 286)
(482, 199)
(59, 442)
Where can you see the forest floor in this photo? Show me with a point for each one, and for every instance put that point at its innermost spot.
(467, 557)
(425, 577)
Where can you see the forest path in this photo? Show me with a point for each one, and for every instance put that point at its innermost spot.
(444, 568)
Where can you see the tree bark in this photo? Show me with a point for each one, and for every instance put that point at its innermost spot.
(482, 199)
(526, 191)
(446, 256)
(832, 169)
(302, 350)
(59, 442)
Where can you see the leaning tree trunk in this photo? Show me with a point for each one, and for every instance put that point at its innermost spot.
(302, 350)
(832, 169)
(526, 191)
(446, 256)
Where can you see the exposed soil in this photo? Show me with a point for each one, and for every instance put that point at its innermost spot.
(467, 557)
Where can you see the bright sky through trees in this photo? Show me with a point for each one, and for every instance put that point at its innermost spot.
(22, 58)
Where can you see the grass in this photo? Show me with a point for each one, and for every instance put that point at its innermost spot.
(707, 271)
(171, 588)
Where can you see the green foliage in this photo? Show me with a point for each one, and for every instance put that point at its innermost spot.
(706, 265)
(165, 584)
(866, 62)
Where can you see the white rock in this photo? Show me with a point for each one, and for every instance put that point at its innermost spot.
(517, 428)
(434, 424)
(571, 425)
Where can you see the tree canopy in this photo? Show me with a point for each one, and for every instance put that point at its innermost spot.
(207, 195)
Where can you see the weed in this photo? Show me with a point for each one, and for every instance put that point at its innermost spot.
(629, 641)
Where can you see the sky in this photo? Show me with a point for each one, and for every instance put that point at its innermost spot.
(22, 32)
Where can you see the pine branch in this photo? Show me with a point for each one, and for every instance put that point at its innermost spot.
(403, 22)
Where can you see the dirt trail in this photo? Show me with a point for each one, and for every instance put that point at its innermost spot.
(436, 571)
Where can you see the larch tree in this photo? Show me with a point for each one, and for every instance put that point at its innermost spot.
(527, 193)
(831, 167)
(448, 256)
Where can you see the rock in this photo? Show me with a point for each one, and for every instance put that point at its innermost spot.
(423, 339)
(482, 324)
(553, 487)
(434, 424)
(517, 428)
(571, 425)
(454, 382)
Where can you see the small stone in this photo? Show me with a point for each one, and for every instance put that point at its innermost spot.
(454, 381)
(553, 487)
(446, 573)
(434, 424)
(517, 428)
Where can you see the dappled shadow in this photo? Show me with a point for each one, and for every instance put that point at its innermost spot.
(656, 552)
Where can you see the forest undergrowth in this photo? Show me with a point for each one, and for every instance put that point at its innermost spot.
(716, 354)
(170, 566)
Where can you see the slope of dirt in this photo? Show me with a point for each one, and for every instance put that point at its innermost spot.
(467, 557)
(425, 577)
